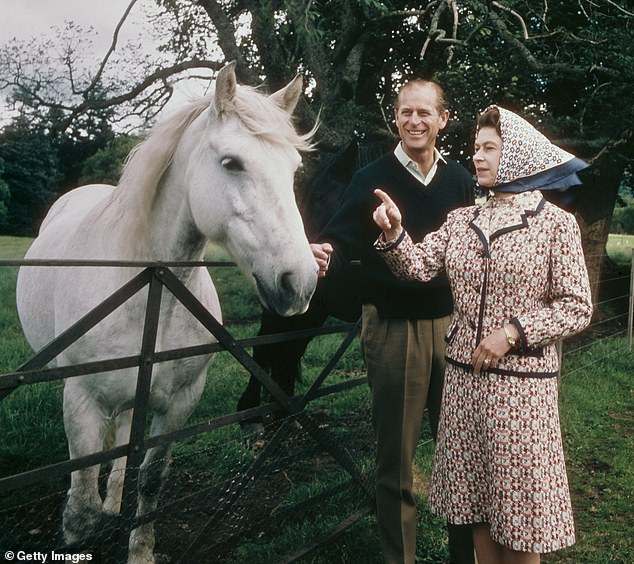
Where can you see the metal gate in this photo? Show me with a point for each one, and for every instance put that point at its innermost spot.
(219, 499)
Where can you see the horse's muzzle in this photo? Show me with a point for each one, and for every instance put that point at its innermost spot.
(288, 294)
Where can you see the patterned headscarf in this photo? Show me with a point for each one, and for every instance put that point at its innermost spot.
(529, 161)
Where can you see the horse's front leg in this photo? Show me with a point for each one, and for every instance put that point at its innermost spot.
(116, 478)
(151, 476)
(155, 467)
(85, 424)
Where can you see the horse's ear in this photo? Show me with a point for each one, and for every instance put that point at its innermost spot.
(225, 88)
(287, 97)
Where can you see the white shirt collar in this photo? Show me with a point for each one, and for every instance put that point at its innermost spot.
(413, 168)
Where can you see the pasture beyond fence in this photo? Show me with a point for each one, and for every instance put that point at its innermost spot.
(203, 516)
(220, 502)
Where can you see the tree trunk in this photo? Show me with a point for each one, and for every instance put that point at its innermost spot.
(594, 214)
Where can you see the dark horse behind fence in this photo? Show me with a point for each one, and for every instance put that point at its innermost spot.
(335, 297)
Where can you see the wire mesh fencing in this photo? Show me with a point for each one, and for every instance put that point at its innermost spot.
(226, 507)
(313, 465)
(213, 500)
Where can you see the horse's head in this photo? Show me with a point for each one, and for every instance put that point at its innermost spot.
(242, 154)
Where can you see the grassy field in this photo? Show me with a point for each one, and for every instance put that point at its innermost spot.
(620, 247)
(597, 418)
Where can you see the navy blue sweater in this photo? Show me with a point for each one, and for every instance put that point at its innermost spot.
(352, 233)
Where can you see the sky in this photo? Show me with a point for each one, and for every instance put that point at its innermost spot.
(28, 18)
(25, 19)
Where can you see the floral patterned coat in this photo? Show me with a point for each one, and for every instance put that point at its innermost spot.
(516, 259)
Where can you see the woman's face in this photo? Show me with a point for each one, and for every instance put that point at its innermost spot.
(486, 156)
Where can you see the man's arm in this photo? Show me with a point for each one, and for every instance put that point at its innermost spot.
(345, 234)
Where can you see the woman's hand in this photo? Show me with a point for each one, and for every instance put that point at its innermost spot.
(492, 348)
(387, 216)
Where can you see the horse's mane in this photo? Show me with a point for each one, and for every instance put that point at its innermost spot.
(148, 161)
(268, 121)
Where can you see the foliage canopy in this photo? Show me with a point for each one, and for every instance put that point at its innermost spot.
(567, 65)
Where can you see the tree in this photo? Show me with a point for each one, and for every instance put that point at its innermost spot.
(5, 195)
(623, 219)
(45, 153)
(556, 59)
(106, 164)
(565, 64)
(30, 172)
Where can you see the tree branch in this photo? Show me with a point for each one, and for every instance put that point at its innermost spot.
(625, 142)
(227, 39)
(434, 33)
(113, 46)
(583, 9)
(404, 14)
(517, 15)
(546, 68)
(160, 75)
(619, 7)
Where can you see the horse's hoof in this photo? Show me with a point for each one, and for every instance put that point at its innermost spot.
(80, 526)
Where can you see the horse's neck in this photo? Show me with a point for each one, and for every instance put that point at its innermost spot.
(165, 231)
(172, 234)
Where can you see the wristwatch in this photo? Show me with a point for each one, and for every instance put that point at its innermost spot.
(509, 338)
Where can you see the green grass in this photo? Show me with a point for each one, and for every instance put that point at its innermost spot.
(619, 248)
(598, 416)
(596, 407)
(13, 247)
(597, 411)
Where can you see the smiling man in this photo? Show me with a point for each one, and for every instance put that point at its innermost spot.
(420, 115)
(404, 323)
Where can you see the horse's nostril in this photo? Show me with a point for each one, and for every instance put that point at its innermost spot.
(286, 281)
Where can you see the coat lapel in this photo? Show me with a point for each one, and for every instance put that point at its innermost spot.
(479, 224)
(494, 219)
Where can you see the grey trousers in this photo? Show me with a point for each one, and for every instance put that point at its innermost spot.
(405, 364)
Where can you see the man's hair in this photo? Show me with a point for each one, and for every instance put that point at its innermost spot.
(441, 98)
(489, 118)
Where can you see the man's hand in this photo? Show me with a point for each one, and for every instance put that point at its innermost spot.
(322, 252)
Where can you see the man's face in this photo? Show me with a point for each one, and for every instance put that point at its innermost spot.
(418, 119)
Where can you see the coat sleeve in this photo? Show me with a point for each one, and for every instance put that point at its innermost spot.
(568, 308)
(422, 261)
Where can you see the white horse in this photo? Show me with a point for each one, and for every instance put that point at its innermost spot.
(221, 169)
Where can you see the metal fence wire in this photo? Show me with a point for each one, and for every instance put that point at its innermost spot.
(305, 465)
(197, 519)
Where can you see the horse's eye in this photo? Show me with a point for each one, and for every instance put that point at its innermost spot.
(232, 164)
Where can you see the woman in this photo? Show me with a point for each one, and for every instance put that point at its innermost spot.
(519, 282)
